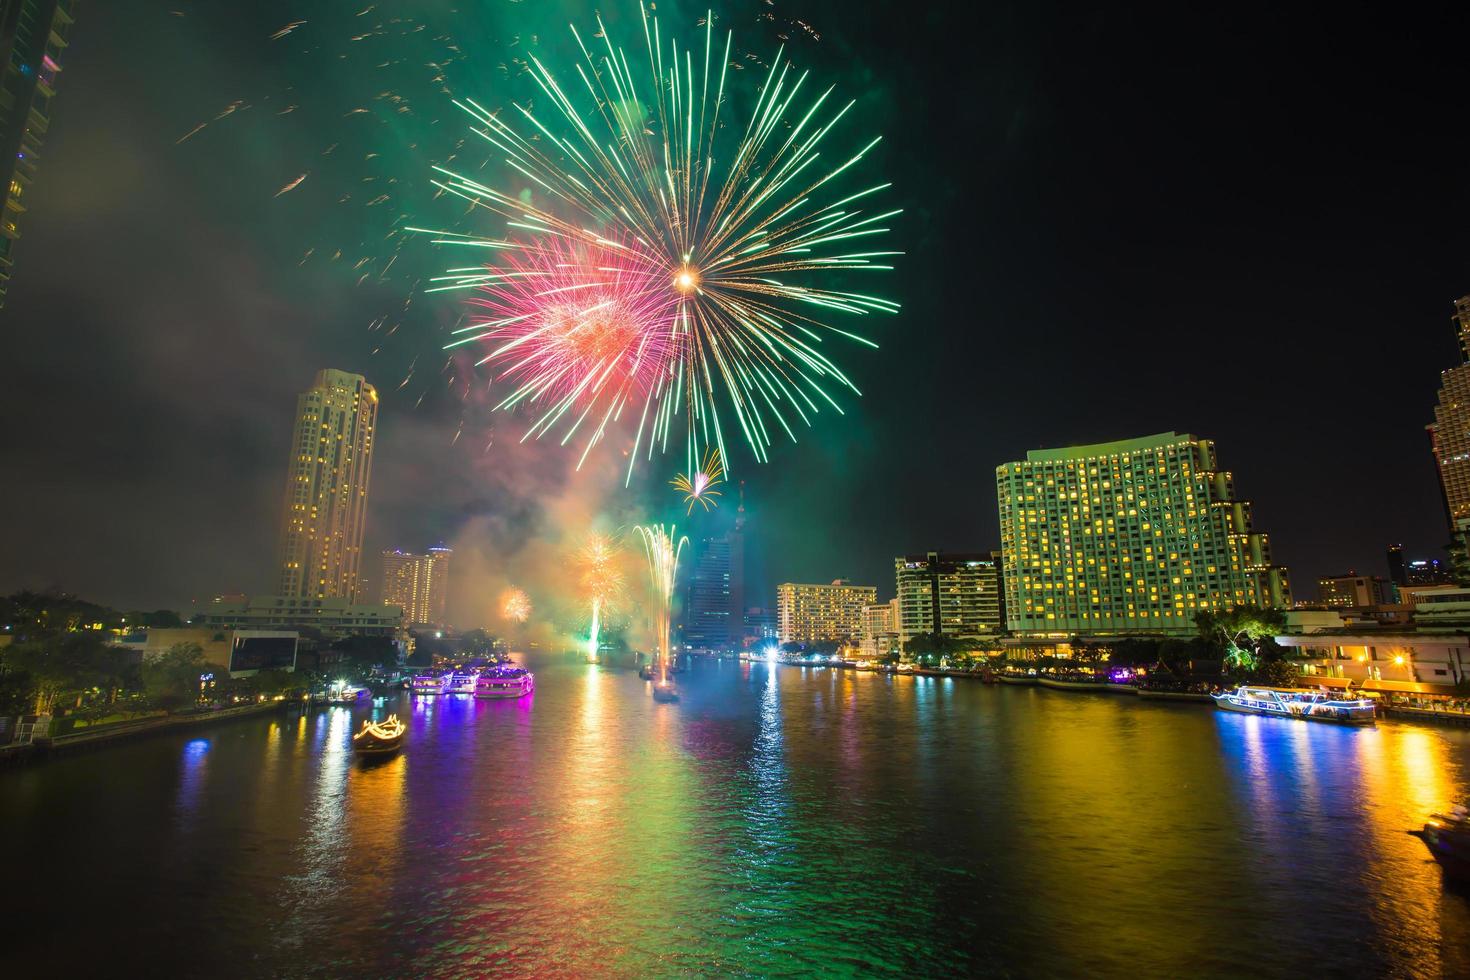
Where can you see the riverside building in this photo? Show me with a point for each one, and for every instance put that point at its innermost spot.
(320, 553)
(1136, 536)
(417, 584)
(817, 613)
(956, 595)
(1449, 433)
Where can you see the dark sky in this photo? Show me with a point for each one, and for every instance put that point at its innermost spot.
(1241, 221)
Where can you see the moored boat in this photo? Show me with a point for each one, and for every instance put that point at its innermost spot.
(1308, 705)
(430, 683)
(380, 737)
(504, 680)
(1447, 835)
(463, 682)
(343, 693)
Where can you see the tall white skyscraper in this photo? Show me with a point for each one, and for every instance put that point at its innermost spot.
(320, 553)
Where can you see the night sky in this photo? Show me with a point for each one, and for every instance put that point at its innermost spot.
(1239, 221)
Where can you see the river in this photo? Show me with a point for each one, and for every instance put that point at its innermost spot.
(778, 821)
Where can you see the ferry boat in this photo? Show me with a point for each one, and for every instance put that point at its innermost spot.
(1310, 705)
(464, 682)
(1447, 835)
(430, 683)
(380, 737)
(505, 681)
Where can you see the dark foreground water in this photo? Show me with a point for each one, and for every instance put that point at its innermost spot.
(778, 822)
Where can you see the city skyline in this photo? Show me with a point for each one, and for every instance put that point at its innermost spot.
(277, 320)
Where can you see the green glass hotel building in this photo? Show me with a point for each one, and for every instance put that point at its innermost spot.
(1136, 536)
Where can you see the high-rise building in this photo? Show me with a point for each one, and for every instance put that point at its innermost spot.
(1398, 572)
(1428, 571)
(956, 595)
(1133, 536)
(1449, 434)
(418, 584)
(714, 604)
(33, 33)
(880, 629)
(320, 553)
(817, 613)
(1354, 591)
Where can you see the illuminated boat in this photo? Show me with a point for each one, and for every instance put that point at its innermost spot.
(463, 682)
(505, 681)
(665, 693)
(344, 693)
(380, 737)
(1448, 838)
(646, 672)
(1308, 705)
(430, 683)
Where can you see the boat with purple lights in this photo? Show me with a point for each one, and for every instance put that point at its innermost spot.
(463, 682)
(1307, 705)
(430, 683)
(1447, 835)
(504, 680)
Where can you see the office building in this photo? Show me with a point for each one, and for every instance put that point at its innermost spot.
(880, 630)
(761, 627)
(320, 554)
(819, 613)
(1137, 536)
(1354, 591)
(333, 618)
(714, 590)
(33, 35)
(956, 595)
(1449, 433)
(417, 584)
(1430, 571)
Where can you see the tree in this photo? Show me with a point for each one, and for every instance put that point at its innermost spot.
(172, 679)
(60, 664)
(1240, 634)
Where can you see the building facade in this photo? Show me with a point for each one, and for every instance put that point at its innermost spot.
(880, 630)
(1354, 591)
(417, 584)
(1449, 433)
(320, 553)
(819, 613)
(1136, 536)
(956, 595)
(333, 618)
(33, 35)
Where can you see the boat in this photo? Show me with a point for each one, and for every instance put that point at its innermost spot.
(1309, 705)
(342, 693)
(505, 680)
(1447, 835)
(463, 682)
(430, 683)
(665, 693)
(646, 672)
(380, 737)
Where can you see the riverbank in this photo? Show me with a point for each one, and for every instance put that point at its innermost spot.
(21, 753)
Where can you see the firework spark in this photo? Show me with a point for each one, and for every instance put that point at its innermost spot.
(601, 583)
(699, 487)
(662, 552)
(728, 244)
(515, 605)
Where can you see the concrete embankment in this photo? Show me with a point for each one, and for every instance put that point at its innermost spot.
(47, 748)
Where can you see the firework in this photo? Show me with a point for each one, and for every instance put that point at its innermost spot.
(601, 582)
(725, 243)
(663, 567)
(515, 605)
(698, 488)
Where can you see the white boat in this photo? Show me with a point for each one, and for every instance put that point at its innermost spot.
(463, 682)
(505, 681)
(430, 683)
(1308, 705)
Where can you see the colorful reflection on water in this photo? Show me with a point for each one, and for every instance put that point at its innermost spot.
(776, 822)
